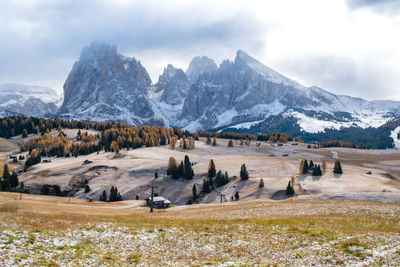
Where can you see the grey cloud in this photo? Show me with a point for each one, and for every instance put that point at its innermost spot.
(48, 35)
(343, 76)
(391, 7)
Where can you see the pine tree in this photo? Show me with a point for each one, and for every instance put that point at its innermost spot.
(230, 143)
(211, 168)
(226, 177)
(244, 175)
(305, 167)
(6, 172)
(194, 191)
(311, 166)
(337, 167)
(181, 170)
(87, 189)
(237, 196)
(289, 189)
(206, 187)
(261, 184)
(103, 196)
(14, 179)
(155, 175)
(188, 168)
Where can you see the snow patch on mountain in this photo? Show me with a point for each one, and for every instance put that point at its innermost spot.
(395, 136)
(28, 100)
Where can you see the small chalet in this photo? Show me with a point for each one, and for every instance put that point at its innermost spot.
(158, 202)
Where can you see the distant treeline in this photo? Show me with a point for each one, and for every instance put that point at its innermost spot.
(273, 137)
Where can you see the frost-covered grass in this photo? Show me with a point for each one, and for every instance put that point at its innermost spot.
(245, 233)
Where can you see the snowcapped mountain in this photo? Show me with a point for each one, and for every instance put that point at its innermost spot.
(242, 94)
(18, 99)
(245, 93)
(104, 85)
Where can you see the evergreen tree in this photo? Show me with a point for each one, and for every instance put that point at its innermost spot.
(194, 191)
(6, 172)
(181, 170)
(237, 196)
(311, 166)
(189, 173)
(206, 187)
(211, 168)
(14, 179)
(337, 167)
(103, 196)
(87, 189)
(226, 177)
(155, 175)
(289, 189)
(261, 184)
(244, 175)
(305, 167)
(230, 143)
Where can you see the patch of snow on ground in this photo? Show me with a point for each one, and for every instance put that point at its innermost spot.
(394, 134)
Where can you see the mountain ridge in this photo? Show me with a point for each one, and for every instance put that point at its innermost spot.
(240, 94)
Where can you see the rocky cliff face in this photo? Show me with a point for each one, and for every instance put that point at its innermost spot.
(174, 85)
(104, 85)
(198, 66)
(239, 94)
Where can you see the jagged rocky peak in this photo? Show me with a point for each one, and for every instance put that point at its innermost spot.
(174, 84)
(106, 85)
(200, 65)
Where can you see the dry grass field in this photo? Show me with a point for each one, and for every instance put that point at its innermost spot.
(349, 219)
(44, 230)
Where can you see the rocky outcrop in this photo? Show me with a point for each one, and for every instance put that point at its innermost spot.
(104, 85)
(174, 84)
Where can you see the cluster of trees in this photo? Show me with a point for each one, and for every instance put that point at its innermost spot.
(54, 190)
(114, 195)
(9, 180)
(60, 145)
(337, 143)
(184, 169)
(186, 143)
(215, 179)
(316, 169)
(33, 158)
(274, 137)
(337, 168)
(235, 136)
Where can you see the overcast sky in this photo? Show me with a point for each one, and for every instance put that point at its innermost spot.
(345, 46)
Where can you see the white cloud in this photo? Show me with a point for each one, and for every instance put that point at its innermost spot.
(344, 46)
